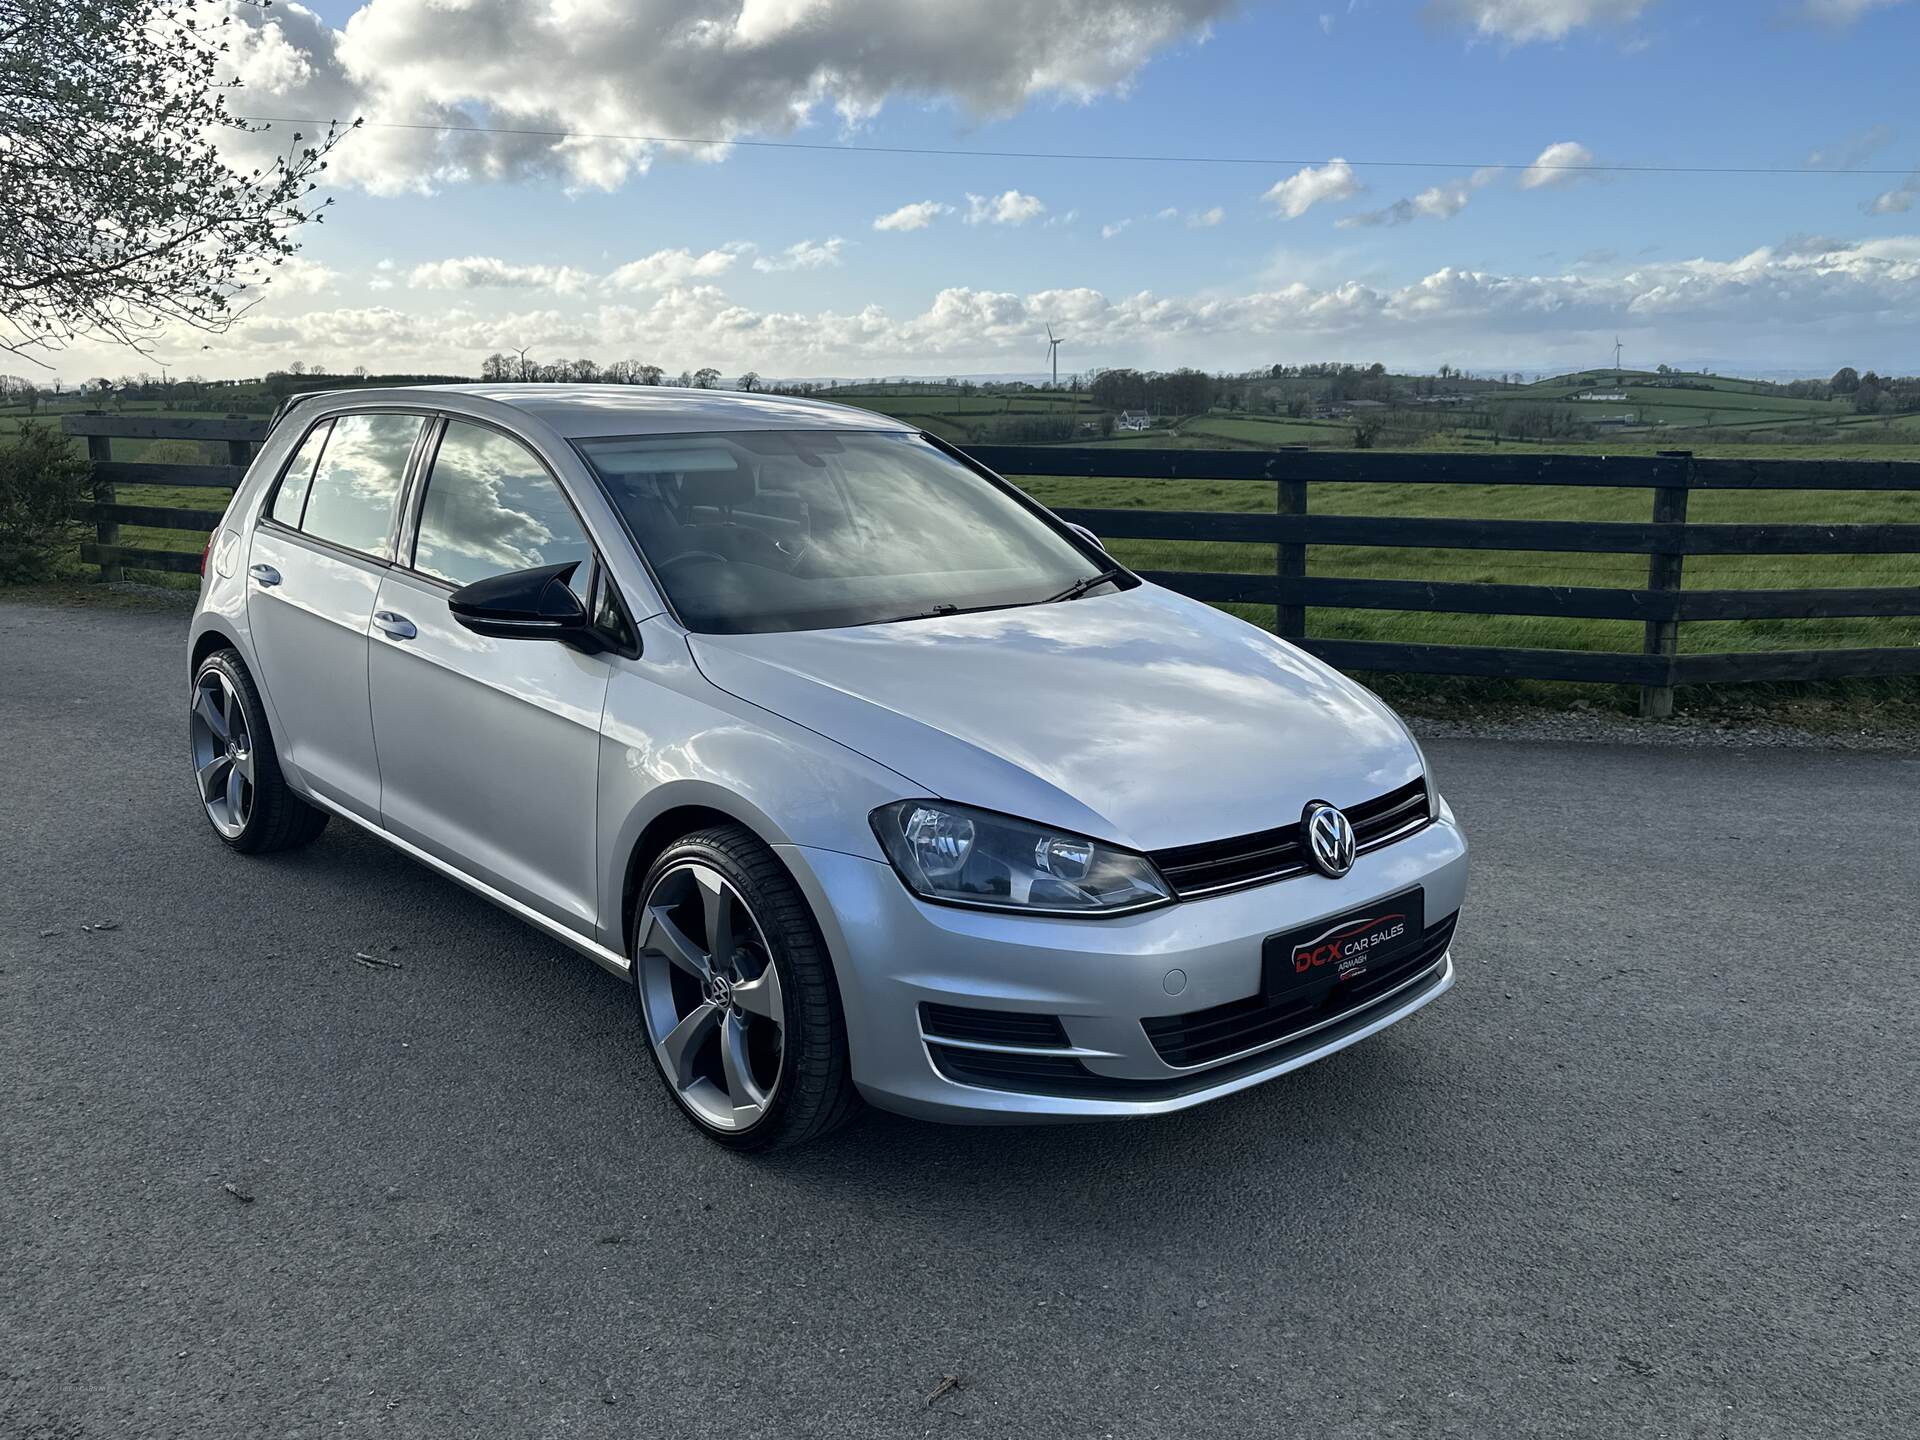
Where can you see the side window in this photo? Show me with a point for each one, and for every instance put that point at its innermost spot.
(491, 507)
(351, 500)
(291, 498)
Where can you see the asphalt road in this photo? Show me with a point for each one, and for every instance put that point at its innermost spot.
(1649, 1169)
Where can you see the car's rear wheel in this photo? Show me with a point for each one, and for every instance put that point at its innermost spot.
(246, 798)
(737, 994)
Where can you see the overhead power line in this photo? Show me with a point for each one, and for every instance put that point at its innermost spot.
(1268, 161)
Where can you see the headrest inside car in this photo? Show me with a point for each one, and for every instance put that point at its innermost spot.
(720, 488)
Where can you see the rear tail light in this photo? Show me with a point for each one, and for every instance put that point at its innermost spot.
(205, 550)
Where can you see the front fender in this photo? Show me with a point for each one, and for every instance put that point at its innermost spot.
(670, 740)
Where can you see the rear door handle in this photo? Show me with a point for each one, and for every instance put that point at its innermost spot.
(264, 574)
(398, 626)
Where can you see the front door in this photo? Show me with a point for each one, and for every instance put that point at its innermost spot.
(313, 574)
(489, 749)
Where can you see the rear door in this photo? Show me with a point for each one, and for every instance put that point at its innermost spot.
(489, 749)
(314, 568)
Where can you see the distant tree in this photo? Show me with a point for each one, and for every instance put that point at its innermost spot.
(749, 381)
(298, 367)
(648, 374)
(706, 378)
(121, 210)
(1845, 380)
(497, 367)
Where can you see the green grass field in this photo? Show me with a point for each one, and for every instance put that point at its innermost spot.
(1528, 502)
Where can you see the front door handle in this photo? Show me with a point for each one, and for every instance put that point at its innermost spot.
(264, 574)
(397, 626)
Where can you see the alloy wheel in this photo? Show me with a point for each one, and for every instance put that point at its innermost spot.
(222, 752)
(710, 994)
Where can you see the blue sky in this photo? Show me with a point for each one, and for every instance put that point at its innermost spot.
(1140, 263)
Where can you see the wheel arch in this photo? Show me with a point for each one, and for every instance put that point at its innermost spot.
(213, 637)
(685, 808)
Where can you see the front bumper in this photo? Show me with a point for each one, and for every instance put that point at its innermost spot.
(894, 952)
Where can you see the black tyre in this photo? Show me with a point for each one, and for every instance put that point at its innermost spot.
(737, 994)
(237, 774)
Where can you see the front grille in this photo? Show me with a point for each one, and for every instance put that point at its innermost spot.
(991, 1027)
(1279, 854)
(1202, 1036)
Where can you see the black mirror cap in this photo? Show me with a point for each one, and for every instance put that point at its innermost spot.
(535, 604)
(538, 594)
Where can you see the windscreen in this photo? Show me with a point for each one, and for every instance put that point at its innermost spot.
(803, 530)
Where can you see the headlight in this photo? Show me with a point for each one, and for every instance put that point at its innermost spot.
(963, 856)
(1426, 773)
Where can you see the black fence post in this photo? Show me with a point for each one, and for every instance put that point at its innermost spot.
(1664, 575)
(1290, 556)
(105, 532)
(239, 452)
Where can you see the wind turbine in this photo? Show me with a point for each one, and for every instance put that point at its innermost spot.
(1616, 352)
(1053, 353)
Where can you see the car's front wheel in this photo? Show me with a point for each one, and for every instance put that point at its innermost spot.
(737, 994)
(235, 769)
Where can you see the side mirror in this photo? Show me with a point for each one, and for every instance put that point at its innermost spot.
(1087, 535)
(527, 605)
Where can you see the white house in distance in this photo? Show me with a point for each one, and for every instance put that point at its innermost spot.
(1133, 420)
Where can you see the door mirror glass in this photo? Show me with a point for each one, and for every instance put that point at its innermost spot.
(537, 604)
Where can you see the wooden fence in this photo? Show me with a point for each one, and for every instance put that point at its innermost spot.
(1666, 538)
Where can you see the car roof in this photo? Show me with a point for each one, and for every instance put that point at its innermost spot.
(580, 411)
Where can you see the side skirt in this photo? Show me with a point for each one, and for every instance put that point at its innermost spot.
(608, 960)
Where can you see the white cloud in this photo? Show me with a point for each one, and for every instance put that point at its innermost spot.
(487, 272)
(1840, 12)
(1558, 164)
(1436, 202)
(297, 275)
(807, 255)
(1300, 192)
(1206, 219)
(675, 267)
(1522, 21)
(1807, 302)
(1113, 228)
(1897, 201)
(702, 68)
(917, 216)
(1852, 151)
(1010, 207)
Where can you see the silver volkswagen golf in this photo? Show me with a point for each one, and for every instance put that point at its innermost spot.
(874, 777)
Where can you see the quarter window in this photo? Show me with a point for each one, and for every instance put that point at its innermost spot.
(292, 496)
(491, 507)
(351, 501)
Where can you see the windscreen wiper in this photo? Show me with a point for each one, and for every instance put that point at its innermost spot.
(1081, 587)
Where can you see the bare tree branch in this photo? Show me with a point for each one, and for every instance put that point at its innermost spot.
(122, 217)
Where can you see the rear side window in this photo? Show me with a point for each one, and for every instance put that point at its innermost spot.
(292, 496)
(491, 507)
(354, 489)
